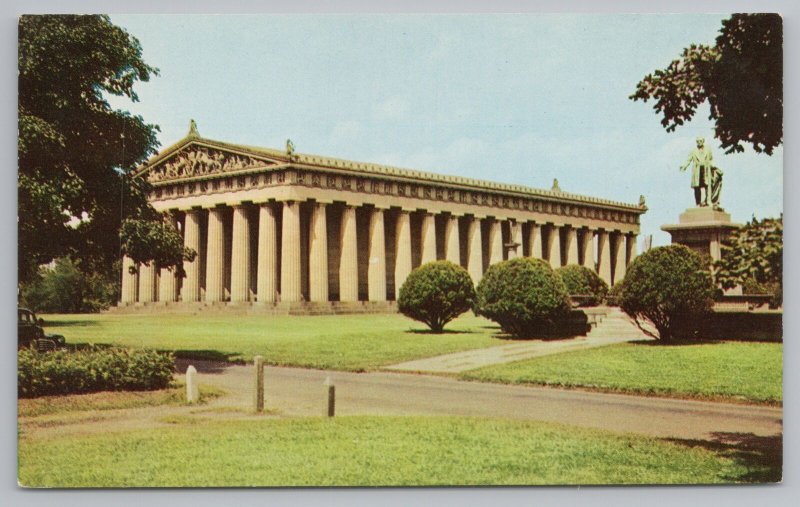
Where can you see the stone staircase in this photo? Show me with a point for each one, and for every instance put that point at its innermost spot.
(611, 323)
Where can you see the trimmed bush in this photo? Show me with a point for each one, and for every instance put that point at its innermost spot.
(614, 294)
(524, 296)
(436, 293)
(91, 370)
(582, 281)
(671, 287)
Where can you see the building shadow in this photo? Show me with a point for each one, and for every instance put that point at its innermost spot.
(204, 361)
(762, 456)
(69, 323)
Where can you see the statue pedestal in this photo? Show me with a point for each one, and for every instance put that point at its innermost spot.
(702, 230)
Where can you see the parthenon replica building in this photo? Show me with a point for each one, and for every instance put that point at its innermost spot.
(279, 229)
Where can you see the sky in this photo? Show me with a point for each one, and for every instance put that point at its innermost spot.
(517, 99)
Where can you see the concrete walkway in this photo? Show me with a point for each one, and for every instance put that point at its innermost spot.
(615, 327)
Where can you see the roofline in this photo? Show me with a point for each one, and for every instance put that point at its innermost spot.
(312, 161)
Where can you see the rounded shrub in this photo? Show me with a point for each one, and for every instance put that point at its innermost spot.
(670, 286)
(524, 296)
(436, 293)
(582, 281)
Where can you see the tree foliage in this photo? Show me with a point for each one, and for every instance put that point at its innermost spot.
(582, 281)
(524, 296)
(753, 253)
(741, 77)
(77, 153)
(66, 288)
(671, 287)
(436, 293)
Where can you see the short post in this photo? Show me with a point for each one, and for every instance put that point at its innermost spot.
(258, 395)
(331, 397)
(192, 391)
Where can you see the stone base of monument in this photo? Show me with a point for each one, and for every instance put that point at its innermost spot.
(703, 229)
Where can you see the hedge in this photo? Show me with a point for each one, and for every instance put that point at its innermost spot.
(90, 370)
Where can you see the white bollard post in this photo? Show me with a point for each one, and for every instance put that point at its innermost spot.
(192, 391)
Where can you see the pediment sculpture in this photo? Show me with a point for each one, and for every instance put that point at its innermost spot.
(200, 161)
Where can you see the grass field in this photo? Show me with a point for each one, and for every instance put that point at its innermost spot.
(727, 370)
(343, 342)
(370, 451)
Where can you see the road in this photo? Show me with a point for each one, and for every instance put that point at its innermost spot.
(295, 391)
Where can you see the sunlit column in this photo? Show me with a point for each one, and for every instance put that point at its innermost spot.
(190, 289)
(620, 253)
(318, 254)
(215, 256)
(475, 249)
(290, 252)
(402, 265)
(631, 246)
(348, 261)
(587, 252)
(535, 241)
(495, 241)
(267, 270)
(572, 245)
(604, 256)
(376, 271)
(452, 242)
(128, 289)
(240, 255)
(515, 250)
(554, 247)
(147, 283)
(428, 238)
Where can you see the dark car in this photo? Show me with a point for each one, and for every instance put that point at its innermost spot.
(30, 332)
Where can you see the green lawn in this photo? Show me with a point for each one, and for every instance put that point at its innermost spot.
(370, 451)
(726, 370)
(341, 342)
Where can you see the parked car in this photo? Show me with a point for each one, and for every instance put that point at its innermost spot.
(31, 333)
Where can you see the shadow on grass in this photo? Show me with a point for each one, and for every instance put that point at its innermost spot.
(204, 361)
(431, 332)
(673, 343)
(762, 456)
(69, 323)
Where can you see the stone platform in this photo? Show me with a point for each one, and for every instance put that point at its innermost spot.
(227, 308)
(702, 229)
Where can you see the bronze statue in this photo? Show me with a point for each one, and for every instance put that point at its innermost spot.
(704, 175)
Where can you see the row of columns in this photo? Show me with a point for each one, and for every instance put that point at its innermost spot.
(614, 251)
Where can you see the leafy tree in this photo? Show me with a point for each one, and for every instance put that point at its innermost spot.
(753, 253)
(436, 293)
(524, 296)
(741, 77)
(582, 281)
(76, 153)
(66, 288)
(671, 287)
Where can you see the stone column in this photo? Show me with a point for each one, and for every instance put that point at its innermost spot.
(318, 254)
(604, 256)
(572, 245)
(475, 250)
(240, 256)
(620, 253)
(402, 264)
(452, 243)
(128, 289)
(348, 262)
(290, 253)
(535, 241)
(516, 239)
(147, 283)
(428, 238)
(631, 248)
(587, 253)
(554, 247)
(376, 271)
(167, 284)
(215, 256)
(267, 271)
(495, 242)
(190, 290)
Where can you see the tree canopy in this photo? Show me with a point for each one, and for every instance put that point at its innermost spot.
(741, 77)
(76, 153)
(752, 253)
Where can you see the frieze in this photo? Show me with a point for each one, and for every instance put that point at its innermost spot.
(201, 161)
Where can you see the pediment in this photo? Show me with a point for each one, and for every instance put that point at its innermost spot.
(197, 160)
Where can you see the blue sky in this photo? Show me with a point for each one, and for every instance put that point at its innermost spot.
(512, 98)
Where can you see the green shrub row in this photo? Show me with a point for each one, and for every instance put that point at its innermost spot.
(91, 370)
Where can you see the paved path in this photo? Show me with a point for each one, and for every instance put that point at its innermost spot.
(300, 392)
(614, 327)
